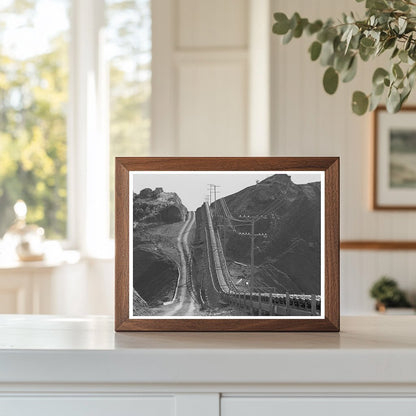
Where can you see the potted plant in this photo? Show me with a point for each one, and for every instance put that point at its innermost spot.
(387, 294)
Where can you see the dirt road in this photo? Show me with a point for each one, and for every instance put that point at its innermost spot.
(183, 303)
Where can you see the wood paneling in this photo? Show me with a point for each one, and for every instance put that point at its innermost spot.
(212, 108)
(206, 24)
(378, 245)
(200, 77)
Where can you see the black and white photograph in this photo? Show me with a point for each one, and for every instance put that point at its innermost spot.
(226, 244)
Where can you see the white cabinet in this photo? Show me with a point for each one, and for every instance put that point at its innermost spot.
(88, 406)
(272, 406)
(51, 365)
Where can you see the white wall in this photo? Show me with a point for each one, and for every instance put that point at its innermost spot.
(308, 122)
(202, 81)
(211, 95)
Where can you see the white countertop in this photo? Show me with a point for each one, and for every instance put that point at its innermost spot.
(52, 349)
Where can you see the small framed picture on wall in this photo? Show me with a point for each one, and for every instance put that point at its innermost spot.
(394, 176)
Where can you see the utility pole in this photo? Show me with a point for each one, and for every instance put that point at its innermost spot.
(252, 235)
(252, 257)
(213, 191)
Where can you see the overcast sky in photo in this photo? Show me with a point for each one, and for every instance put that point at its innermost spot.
(193, 187)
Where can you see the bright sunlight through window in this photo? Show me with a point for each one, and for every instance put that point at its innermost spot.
(129, 43)
(38, 81)
(33, 102)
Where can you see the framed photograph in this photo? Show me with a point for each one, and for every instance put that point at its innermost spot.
(227, 244)
(394, 179)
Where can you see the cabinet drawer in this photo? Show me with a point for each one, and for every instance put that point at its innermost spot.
(272, 406)
(88, 406)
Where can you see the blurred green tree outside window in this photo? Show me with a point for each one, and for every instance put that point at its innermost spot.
(33, 101)
(129, 46)
(34, 86)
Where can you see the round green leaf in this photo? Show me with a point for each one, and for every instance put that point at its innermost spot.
(294, 20)
(393, 101)
(408, 42)
(288, 37)
(395, 52)
(379, 75)
(322, 36)
(327, 54)
(359, 103)
(389, 43)
(282, 26)
(412, 52)
(374, 102)
(376, 4)
(314, 27)
(378, 89)
(367, 42)
(397, 71)
(351, 71)
(403, 96)
(342, 61)
(315, 50)
(330, 80)
(298, 30)
(403, 55)
(366, 53)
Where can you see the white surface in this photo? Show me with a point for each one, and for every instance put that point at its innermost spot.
(88, 406)
(52, 365)
(267, 406)
(198, 404)
(47, 349)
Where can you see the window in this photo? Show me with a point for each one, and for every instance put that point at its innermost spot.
(33, 102)
(75, 87)
(129, 43)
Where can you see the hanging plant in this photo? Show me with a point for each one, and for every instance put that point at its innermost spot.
(389, 27)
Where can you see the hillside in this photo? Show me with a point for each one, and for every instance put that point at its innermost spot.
(157, 220)
(289, 256)
(157, 207)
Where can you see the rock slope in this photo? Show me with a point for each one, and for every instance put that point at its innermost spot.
(157, 207)
(157, 219)
(289, 257)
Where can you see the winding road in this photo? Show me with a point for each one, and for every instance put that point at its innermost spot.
(183, 303)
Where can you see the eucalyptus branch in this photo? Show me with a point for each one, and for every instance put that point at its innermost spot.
(389, 25)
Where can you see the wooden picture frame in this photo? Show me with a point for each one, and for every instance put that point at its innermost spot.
(134, 171)
(394, 185)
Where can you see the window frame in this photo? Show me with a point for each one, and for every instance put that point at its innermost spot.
(88, 133)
